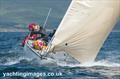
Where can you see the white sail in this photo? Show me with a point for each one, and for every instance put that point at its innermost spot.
(85, 27)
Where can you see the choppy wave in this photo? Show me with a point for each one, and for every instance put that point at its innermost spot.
(106, 66)
(63, 63)
(14, 61)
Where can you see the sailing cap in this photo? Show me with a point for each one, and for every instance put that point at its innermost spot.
(31, 26)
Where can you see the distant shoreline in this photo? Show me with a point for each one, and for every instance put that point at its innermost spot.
(19, 30)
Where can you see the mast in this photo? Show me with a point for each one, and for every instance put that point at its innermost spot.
(47, 17)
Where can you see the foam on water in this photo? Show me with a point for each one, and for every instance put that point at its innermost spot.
(106, 62)
(12, 62)
(92, 64)
(102, 63)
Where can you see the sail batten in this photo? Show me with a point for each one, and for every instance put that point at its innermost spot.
(84, 28)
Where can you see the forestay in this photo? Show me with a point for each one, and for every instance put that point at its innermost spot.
(85, 27)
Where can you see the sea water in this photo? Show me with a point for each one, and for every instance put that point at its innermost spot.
(16, 64)
(13, 60)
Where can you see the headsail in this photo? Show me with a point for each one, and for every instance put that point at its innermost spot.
(85, 27)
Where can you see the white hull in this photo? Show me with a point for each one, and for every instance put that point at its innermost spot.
(35, 55)
(50, 59)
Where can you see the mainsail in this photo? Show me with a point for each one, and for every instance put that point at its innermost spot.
(84, 28)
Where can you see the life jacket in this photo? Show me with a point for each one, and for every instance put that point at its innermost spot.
(29, 37)
(33, 37)
(44, 47)
(38, 44)
(25, 40)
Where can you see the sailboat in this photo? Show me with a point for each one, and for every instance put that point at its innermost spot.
(84, 29)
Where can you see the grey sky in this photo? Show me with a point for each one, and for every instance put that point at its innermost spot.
(17, 14)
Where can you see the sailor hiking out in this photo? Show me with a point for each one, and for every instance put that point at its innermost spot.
(37, 35)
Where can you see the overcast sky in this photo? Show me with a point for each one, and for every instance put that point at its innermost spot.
(17, 14)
